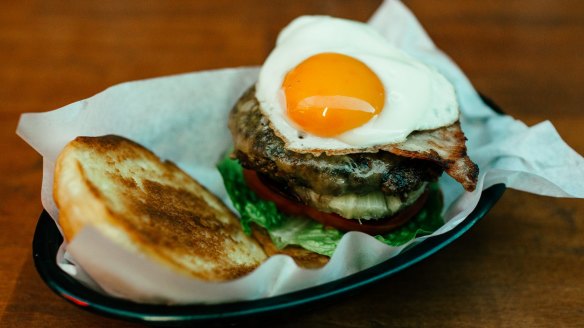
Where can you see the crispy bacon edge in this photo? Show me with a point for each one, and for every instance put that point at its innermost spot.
(444, 146)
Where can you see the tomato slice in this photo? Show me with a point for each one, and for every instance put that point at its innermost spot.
(372, 227)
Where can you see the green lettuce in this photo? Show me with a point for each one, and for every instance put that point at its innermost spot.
(293, 230)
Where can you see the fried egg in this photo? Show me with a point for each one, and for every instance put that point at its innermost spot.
(334, 84)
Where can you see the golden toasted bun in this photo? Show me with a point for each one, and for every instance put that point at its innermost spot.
(150, 207)
(303, 257)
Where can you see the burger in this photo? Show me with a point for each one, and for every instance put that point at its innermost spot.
(342, 132)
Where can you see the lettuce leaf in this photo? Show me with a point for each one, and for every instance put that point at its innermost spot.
(251, 208)
(293, 230)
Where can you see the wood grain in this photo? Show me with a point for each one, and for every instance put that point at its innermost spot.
(521, 266)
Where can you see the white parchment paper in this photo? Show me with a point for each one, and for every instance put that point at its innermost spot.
(183, 118)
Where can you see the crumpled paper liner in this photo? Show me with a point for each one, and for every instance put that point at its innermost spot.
(183, 118)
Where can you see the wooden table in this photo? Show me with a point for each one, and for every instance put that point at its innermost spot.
(522, 265)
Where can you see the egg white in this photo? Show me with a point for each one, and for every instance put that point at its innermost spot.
(417, 97)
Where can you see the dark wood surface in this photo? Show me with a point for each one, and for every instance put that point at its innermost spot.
(522, 265)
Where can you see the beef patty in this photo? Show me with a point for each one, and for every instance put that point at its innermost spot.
(304, 175)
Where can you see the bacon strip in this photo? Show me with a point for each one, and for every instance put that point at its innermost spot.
(444, 146)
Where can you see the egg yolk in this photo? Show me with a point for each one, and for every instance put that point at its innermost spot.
(330, 93)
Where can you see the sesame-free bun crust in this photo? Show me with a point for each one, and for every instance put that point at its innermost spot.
(150, 207)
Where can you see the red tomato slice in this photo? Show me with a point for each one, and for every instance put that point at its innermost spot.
(372, 227)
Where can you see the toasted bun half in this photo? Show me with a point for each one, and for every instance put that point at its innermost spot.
(150, 207)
